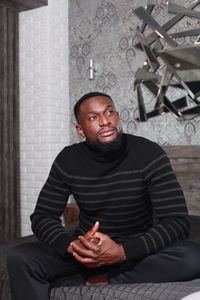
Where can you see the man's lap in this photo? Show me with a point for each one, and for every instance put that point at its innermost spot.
(45, 260)
(178, 262)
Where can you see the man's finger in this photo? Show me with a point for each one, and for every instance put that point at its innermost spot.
(89, 244)
(84, 260)
(101, 236)
(93, 239)
(83, 252)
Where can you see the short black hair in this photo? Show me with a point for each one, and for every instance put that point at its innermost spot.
(87, 96)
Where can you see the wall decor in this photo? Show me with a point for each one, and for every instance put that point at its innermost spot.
(168, 64)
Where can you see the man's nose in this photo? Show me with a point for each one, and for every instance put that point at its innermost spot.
(104, 121)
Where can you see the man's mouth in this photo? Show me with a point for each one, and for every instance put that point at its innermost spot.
(106, 132)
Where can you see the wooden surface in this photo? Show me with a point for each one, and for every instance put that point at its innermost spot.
(183, 151)
(71, 214)
(186, 164)
(9, 123)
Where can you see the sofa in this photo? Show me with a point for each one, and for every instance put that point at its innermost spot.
(63, 289)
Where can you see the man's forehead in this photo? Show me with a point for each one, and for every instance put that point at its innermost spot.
(97, 102)
(101, 108)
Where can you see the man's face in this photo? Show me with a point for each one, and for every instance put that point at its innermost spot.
(98, 120)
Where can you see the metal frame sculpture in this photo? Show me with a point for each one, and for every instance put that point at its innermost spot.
(181, 64)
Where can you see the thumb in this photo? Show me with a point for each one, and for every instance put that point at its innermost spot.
(94, 229)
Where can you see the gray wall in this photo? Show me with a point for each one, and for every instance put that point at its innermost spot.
(105, 30)
(44, 98)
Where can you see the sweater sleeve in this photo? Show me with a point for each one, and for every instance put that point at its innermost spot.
(170, 216)
(52, 200)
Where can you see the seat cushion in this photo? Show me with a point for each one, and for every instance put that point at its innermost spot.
(137, 291)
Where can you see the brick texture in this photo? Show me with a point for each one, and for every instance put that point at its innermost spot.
(44, 100)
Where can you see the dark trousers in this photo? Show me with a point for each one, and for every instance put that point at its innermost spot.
(33, 266)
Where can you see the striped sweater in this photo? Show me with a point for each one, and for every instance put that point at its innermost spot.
(133, 193)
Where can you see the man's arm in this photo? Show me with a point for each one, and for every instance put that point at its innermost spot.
(52, 200)
(169, 211)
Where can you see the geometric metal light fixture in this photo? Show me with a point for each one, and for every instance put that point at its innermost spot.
(181, 64)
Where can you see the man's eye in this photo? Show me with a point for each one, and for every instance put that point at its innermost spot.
(109, 112)
(92, 118)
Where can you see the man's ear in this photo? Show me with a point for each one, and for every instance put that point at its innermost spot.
(80, 130)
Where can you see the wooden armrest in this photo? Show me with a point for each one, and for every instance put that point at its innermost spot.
(71, 214)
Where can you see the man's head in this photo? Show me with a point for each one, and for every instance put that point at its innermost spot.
(97, 119)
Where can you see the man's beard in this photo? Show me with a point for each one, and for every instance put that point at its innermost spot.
(109, 146)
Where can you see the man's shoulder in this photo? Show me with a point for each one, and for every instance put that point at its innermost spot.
(72, 147)
(144, 147)
(69, 152)
(140, 141)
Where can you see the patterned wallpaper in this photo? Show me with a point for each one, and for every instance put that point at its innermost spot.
(105, 31)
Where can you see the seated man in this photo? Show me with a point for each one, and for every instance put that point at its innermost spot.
(133, 215)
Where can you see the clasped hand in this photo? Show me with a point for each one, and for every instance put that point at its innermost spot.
(96, 249)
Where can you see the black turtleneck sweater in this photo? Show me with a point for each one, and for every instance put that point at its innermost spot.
(132, 191)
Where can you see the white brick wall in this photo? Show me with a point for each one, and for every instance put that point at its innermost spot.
(44, 100)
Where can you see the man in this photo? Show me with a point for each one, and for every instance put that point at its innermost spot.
(133, 216)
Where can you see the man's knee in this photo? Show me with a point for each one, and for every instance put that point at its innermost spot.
(191, 255)
(183, 256)
(19, 256)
